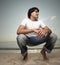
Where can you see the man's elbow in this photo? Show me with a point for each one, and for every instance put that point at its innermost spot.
(50, 31)
(17, 32)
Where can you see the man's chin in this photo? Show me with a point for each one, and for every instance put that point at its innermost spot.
(36, 18)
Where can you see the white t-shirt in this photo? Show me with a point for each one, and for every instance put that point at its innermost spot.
(29, 24)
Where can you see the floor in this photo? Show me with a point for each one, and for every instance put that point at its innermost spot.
(34, 58)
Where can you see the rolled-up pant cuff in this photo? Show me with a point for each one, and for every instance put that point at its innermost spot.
(48, 51)
(24, 53)
(23, 50)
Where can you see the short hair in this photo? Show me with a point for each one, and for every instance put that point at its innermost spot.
(32, 10)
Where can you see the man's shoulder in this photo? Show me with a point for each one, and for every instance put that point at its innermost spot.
(24, 21)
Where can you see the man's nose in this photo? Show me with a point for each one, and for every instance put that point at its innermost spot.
(37, 13)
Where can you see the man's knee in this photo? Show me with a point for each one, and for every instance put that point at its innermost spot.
(21, 37)
(53, 37)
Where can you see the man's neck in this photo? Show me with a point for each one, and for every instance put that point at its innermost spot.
(33, 19)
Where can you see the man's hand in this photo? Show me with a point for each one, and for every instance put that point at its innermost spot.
(47, 30)
(40, 32)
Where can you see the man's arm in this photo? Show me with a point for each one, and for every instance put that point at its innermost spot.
(43, 31)
(22, 30)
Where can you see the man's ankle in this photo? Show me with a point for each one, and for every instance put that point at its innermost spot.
(43, 52)
(25, 57)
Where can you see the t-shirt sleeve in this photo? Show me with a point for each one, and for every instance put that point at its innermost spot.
(23, 22)
(42, 24)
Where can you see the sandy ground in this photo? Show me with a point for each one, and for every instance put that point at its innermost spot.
(33, 59)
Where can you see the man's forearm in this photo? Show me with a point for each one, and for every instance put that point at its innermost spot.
(25, 31)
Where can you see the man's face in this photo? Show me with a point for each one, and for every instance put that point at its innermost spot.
(35, 14)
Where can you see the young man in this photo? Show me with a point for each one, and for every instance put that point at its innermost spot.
(33, 32)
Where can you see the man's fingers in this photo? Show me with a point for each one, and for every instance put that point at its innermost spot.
(41, 34)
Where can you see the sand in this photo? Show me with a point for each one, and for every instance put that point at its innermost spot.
(33, 59)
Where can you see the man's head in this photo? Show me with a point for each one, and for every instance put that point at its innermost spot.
(34, 12)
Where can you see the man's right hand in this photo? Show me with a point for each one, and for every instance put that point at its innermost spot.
(39, 32)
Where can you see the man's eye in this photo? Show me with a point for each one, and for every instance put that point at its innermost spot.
(36, 11)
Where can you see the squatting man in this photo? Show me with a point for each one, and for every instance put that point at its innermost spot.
(33, 32)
